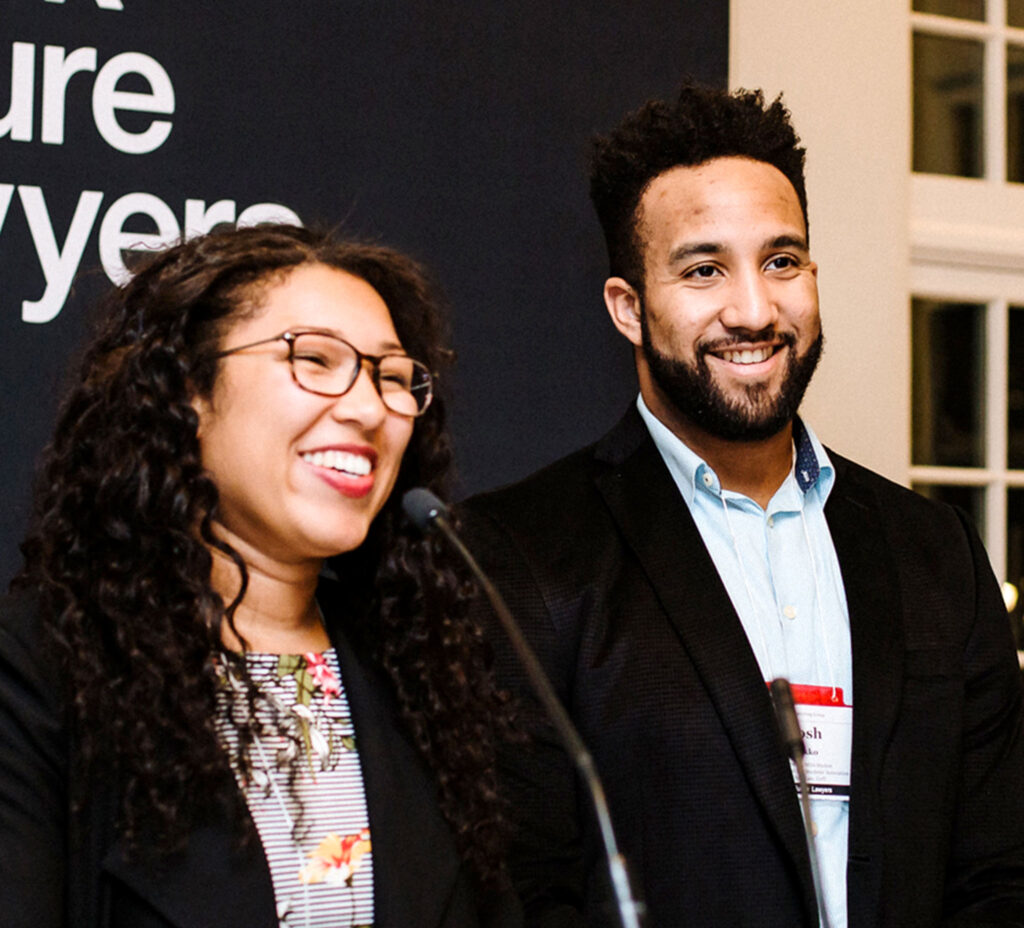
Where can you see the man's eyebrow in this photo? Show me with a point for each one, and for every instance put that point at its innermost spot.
(690, 249)
(787, 241)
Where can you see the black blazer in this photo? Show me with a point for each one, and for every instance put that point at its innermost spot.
(58, 869)
(602, 563)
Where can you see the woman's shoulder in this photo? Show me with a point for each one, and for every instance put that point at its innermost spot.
(28, 655)
(21, 618)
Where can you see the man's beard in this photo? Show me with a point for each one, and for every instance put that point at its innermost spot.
(692, 391)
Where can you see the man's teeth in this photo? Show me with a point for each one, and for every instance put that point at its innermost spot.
(747, 355)
(343, 461)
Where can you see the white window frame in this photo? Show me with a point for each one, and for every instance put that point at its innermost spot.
(967, 244)
(879, 232)
(973, 222)
(997, 292)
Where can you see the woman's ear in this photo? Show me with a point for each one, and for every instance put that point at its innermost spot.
(203, 410)
(623, 304)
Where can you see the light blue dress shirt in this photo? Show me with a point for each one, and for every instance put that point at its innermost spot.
(780, 569)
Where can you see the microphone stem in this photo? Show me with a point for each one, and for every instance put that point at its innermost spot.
(805, 806)
(793, 741)
(629, 909)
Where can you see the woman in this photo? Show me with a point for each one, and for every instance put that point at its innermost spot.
(236, 688)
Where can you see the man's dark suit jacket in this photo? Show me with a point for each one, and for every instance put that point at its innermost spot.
(602, 563)
(61, 869)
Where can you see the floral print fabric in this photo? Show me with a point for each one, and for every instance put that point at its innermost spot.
(305, 791)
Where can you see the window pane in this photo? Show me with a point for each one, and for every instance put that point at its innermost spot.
(1015, 557)
(1015, 391)
(961, 9)
(1015, 113)
(1015, 13)
(947, 403)
(948, 112)
(970, 499)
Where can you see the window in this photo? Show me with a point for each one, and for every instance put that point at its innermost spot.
(967, 399)
(967, 269)
(968, 79)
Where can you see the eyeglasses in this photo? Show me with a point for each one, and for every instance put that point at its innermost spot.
(327, 365)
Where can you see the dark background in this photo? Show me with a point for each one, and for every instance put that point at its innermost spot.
(457, 132)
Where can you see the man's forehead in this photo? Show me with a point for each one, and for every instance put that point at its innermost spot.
(718, 201)
(726, 170)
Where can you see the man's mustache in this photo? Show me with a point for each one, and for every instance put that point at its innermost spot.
(767, 334)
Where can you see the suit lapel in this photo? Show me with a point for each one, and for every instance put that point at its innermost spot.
(216, 884)
(213, 883)
(872, 596)
(657, 526)
(415, 866)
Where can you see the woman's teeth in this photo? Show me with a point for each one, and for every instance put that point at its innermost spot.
(343, 461)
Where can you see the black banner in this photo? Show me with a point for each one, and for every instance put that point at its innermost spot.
(455, 131)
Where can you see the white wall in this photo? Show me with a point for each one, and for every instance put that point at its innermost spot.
(845, 72)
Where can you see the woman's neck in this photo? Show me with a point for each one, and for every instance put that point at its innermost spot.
(279, 613)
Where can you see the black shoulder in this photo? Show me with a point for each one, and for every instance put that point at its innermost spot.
(547, 515)
(899, 504)
(554, 486)
(25, 643)
(565, 487)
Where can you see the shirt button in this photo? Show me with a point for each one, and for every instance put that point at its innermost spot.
(771, 521)
(708, 479)
(789, 612)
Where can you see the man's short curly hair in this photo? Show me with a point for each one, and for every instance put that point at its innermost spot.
(702, 123)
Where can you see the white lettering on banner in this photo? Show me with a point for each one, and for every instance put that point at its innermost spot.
(57, 71)
(113, 237)
(268, 212)
(102, 4)
(200, 218)
(6, 192)
(60, 263)
(106, 100)
(58, 266)
(18, 121)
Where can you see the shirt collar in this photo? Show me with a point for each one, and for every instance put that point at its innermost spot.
(812, 468)
(805, 461)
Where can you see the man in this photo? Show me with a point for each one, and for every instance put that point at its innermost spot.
(709, 544)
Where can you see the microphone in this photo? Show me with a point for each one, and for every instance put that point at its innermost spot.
(423, 508)
(789, 724)
(428, 513)
(793, 741)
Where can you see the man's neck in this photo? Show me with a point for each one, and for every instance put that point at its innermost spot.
(754, 468)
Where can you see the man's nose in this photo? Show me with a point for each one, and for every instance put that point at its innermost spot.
(751, 303)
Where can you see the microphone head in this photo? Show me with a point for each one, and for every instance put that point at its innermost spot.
(781, 692)
(785, 712)
(423, 508)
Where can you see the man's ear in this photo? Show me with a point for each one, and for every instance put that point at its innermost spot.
(623, 303)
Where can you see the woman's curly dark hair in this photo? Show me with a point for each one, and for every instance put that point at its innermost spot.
(120, 545)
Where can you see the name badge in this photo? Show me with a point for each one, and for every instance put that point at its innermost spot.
(826, 722)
